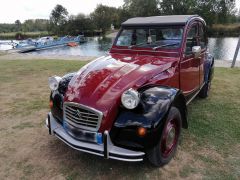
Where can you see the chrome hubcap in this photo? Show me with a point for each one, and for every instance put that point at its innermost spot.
(170, 137)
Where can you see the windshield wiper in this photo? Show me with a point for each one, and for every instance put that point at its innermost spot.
(165, 45)
(130, 47)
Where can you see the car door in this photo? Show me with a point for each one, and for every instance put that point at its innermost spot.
(189, 65)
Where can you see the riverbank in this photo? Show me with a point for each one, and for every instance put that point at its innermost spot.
(23, 35)
(17, 56)
(224, 30)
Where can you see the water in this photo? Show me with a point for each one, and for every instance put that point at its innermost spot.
(95, 46)
(221, 48)
(6, 44)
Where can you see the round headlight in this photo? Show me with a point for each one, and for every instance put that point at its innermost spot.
(54, 82)
(130, 99)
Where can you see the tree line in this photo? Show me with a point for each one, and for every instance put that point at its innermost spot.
(60, 22)
(29, 25)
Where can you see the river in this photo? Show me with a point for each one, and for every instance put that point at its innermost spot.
(221, 48)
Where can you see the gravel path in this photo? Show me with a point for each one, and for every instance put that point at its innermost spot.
(222, 63)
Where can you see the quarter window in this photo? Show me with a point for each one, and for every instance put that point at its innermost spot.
(202, 36)
(191, 39)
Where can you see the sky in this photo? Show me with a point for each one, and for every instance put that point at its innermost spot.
(11, 10)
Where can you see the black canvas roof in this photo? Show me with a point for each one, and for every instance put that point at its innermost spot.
(159, 20)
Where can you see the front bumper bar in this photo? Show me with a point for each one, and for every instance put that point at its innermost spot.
(107, 149)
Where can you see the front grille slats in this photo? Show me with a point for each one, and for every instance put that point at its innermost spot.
(86, 113)
(79, 125)
(82, 117)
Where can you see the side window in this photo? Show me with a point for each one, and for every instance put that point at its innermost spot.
(202, 36)
(191, 39)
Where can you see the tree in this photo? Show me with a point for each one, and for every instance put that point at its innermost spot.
(18, 24)
(78, 24)
(170, 7)
(104, 16)
(208, 10)
(142, 7)
(216, 11)
(58, 18)
(226, 8)
(238, 16)
(28, 25)
(123, 15)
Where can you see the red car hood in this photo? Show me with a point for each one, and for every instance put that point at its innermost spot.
(101, 83)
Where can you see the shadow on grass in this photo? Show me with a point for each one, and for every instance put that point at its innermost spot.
(75, 164)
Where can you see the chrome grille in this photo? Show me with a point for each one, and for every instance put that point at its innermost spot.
(81, 116)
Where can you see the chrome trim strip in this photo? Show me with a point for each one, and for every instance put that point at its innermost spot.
(113, 152)
(190, 100)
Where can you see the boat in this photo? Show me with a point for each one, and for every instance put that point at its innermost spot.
(72, 44)
(48, 43)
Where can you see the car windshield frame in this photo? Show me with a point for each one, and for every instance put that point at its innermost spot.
(152, 45)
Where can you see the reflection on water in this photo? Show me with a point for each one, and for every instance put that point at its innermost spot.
(221, 48)
(95, 46)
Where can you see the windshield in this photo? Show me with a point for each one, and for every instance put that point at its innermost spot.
(155, 38)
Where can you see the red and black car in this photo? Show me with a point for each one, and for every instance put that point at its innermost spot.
(132, 103)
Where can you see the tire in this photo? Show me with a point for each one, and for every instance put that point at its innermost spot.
(165, 149)
(205, 90)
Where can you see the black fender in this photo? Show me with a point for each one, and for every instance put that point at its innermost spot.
(154, 105)
(57, 96)
(208, 68)
(63, 84)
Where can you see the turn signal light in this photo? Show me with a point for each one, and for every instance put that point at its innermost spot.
(141, 131)
(51, 104)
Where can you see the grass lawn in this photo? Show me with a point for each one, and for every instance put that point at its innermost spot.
(209, 148)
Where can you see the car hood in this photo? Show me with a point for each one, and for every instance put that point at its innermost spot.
(100, 83)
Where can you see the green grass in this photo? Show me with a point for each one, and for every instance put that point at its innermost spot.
(209, 148)
(23, 125)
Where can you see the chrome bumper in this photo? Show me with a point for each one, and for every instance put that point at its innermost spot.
(107, 149)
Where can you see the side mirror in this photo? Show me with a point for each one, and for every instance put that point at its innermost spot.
(196, 51)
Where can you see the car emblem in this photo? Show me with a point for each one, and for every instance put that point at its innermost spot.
(78, 113)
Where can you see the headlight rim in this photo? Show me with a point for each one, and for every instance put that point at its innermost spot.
(134, 93)
(54, 79)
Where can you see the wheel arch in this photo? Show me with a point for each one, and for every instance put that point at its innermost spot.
(180, 103)
(209, 68)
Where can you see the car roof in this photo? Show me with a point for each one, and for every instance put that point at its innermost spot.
(160, 20)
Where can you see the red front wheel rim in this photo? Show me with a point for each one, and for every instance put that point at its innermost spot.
(170, 137)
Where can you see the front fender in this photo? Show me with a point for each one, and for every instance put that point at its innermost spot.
(57, 97)
(151, 114)
(154, 105)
